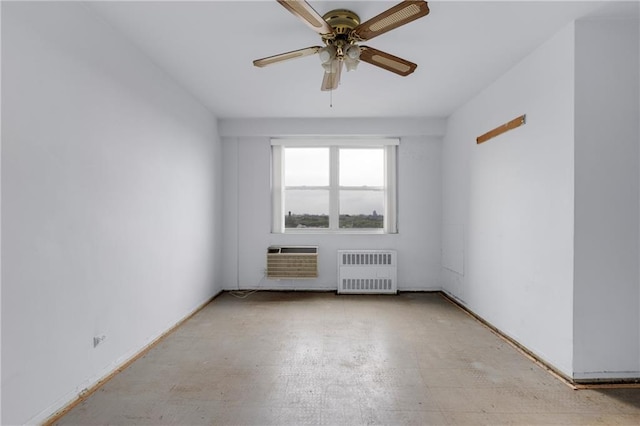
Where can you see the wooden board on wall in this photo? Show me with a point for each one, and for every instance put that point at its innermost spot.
(516, 122)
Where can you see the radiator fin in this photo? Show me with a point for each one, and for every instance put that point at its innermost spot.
(366, 258)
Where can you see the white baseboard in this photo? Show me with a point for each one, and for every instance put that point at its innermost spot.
(606, 376)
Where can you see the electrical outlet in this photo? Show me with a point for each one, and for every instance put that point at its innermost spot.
(97, 340)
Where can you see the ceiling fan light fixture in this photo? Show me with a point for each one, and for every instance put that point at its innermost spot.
(353, 52)
(331, 67)
(350, 64)
(352, 57)
(327, 54)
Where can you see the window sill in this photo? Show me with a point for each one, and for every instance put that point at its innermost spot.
(333, 232)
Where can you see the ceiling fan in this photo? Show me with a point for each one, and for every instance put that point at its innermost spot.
(341, 33)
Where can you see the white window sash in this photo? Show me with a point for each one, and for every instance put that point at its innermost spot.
(334, 194)
(343, 143)
(277, 189)
(390, 225)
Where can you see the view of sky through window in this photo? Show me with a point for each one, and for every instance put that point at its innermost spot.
(306, 167)
(361, 168)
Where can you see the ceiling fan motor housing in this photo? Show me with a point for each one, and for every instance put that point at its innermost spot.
(343, 21)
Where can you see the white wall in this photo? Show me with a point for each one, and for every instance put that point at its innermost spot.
(0, 230)
(508, 203)
(110, 204)
(606, 285)
(247, 211)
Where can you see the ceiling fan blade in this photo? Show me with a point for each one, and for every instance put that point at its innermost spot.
(387, 61)
(308, 15)
(398, 15)
(330, 81)
(286, 56)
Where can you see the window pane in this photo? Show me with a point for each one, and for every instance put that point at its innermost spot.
(362, 167)
(306, 208)
(306, 167)
(361, 209)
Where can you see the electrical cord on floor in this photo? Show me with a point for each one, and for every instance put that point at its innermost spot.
(243, 294)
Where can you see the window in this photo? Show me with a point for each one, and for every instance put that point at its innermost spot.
(334, 185)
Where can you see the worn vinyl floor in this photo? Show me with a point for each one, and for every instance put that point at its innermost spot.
(278, 358)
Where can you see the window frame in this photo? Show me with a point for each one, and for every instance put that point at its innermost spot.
(389, 146)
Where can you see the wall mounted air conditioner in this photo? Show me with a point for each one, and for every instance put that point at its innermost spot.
(292, 262)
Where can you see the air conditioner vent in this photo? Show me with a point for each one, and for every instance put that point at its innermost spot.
(292, 262)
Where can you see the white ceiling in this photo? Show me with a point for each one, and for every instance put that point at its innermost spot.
(460, 48)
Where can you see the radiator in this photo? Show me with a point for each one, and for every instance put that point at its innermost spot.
(292, 262)
(367, 271)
